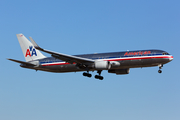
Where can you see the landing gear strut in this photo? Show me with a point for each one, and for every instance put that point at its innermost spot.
(99, 76)
(160, 67)
(86, 74)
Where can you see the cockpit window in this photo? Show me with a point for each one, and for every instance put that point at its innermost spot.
(165, 53)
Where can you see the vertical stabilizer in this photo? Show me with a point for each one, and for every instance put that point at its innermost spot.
(30, 53)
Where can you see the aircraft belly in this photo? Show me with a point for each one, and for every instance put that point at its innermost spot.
(130, 63)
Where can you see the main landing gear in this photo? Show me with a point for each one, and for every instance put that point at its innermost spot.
(160, 67)
(87, 74)
(99, 76)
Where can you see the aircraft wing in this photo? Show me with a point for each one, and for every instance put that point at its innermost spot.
(22, 62)
(68, 58)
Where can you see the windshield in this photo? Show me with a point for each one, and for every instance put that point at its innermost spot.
(165, 53)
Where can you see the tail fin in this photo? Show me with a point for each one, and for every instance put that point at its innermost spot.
(30, 53)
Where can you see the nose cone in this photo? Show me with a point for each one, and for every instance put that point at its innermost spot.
(171, 58)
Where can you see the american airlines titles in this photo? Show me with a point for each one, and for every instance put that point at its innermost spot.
(138, 53)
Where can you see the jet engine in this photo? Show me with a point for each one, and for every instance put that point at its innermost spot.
(102, 65)
(119, 71)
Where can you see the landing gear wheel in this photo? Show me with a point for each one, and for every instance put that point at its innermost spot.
(159, 71)
(87, 75)
(160, 67)
(99, 77)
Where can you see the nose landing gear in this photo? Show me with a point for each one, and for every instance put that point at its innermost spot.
(159, 71)
(160, 67)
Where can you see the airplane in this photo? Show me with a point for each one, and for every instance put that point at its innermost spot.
(118, 63)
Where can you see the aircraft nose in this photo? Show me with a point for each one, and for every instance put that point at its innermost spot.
(171, 58)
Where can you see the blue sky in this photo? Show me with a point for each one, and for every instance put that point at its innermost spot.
(78, 27)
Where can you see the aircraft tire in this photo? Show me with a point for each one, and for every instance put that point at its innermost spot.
(87, 75)
(159, 71)
(99, 77)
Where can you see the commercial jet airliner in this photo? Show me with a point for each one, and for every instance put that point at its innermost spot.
(115, 62)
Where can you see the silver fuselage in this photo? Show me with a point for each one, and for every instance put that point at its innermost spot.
(126, 59)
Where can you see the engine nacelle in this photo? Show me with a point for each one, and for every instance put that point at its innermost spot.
(119, 71)
(102, 65)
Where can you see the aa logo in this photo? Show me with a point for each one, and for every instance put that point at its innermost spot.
(31, 51)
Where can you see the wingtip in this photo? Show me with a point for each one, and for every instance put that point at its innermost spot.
(10, 59)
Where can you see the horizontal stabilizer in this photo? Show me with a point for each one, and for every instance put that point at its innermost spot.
(22, 62)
